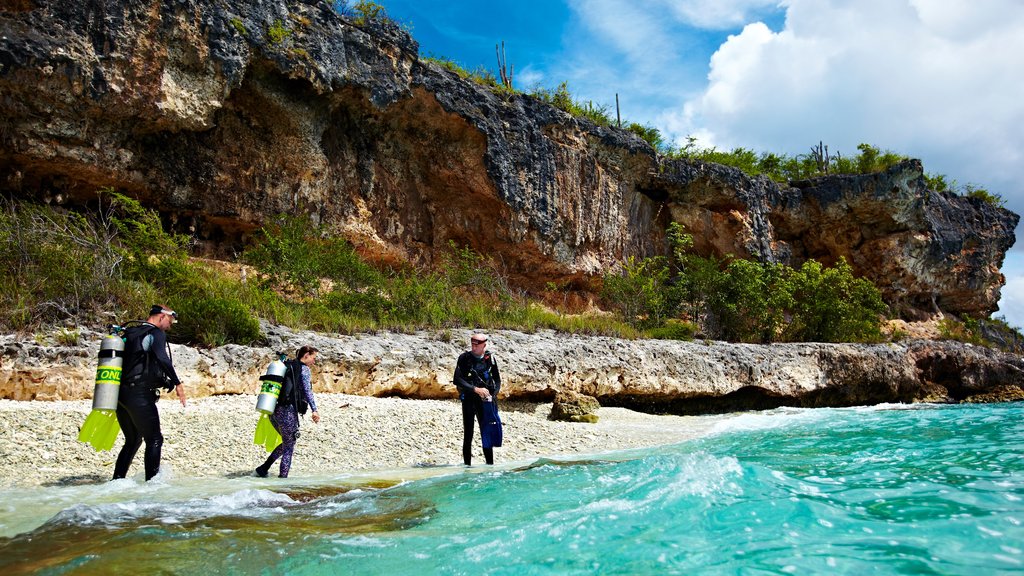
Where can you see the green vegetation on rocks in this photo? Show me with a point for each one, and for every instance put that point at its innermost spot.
(744, 301)
(108, 263)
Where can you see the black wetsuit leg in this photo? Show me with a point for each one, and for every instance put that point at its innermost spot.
(468, 415)
(140, 421)
(488, 452)
(132, 441)
(472, 409)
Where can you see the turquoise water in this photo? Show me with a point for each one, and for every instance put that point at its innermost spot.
(885, 490)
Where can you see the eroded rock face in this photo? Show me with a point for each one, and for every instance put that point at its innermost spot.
(224, 114)
(649, 375)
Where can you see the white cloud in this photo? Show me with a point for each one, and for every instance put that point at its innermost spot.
(628, 28)
(892, 73)
(941, 80)
(529, 78)
(715, 14)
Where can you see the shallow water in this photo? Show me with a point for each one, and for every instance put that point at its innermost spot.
(891, 489)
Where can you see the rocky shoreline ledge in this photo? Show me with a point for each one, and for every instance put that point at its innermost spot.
(655, 376)
(212, 437)
(387, 401)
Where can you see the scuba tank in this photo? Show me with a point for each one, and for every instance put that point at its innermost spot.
(100, 427)
(270, 388)
(108, 374)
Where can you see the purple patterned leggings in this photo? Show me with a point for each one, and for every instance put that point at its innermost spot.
(286, 421)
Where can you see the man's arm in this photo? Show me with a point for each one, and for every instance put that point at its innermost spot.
(159, 351)
(460, 380)
(495, 375)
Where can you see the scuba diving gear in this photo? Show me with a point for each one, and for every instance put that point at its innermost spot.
(270, 389)
(291, 388)
(490, 425)
(141, 367)
(100, 427)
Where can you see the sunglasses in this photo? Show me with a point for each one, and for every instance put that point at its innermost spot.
(475, 342)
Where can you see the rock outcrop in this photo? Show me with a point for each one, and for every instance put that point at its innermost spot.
(650, 375)
(571, 406)
(222, 114)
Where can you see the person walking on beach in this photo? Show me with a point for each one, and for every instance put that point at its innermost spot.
(286, 415)
(147, 368)
(478, 382)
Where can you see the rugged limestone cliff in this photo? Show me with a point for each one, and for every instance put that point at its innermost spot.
(224, 113)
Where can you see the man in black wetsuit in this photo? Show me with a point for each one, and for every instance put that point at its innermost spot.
(478, 381)
(147, 368)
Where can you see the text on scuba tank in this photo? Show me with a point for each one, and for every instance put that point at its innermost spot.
(108, 375)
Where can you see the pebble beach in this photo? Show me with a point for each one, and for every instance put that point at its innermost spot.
(212, 437)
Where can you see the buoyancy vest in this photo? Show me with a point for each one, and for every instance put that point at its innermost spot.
(477, 371)
(140, 365)
(292, 392)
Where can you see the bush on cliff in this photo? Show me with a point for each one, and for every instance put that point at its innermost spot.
(321, 284)
(745, 301)
(63, 264)
(293, 256)
(784, 168)
(109, 263)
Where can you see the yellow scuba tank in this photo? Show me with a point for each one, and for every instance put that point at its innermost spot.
(270, 388)
(100, 427)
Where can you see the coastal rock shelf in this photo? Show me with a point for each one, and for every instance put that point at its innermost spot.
(657, 376)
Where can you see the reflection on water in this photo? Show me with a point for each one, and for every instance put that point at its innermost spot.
(198, 533)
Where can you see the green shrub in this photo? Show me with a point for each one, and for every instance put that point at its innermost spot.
(673, 330)
(367, 11)
(211, 320)
(68, 337)
(966, 330)
(831, 305)
(212, 309)
(984, 195)
(752, 300)
(239, 26)
(562, 99)
(277, 32)
(58, 264)
(649, 133)
(294, 256)
(640, 290)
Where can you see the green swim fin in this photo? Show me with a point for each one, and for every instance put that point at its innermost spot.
(100, 429)
(266, 435)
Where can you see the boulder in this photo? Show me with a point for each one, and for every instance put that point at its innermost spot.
(572, 406)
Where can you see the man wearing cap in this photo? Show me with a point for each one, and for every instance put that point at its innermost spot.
(147, 368)
(478, 381)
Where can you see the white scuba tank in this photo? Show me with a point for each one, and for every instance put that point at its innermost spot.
(108, 373)
(270, 387)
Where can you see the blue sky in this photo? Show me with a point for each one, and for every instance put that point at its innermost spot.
(939, 80)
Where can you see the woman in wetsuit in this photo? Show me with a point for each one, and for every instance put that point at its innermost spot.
(286, 416)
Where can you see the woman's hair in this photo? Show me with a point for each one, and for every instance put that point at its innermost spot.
(301, 352)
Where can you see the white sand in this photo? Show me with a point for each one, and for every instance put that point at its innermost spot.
(212, 437)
